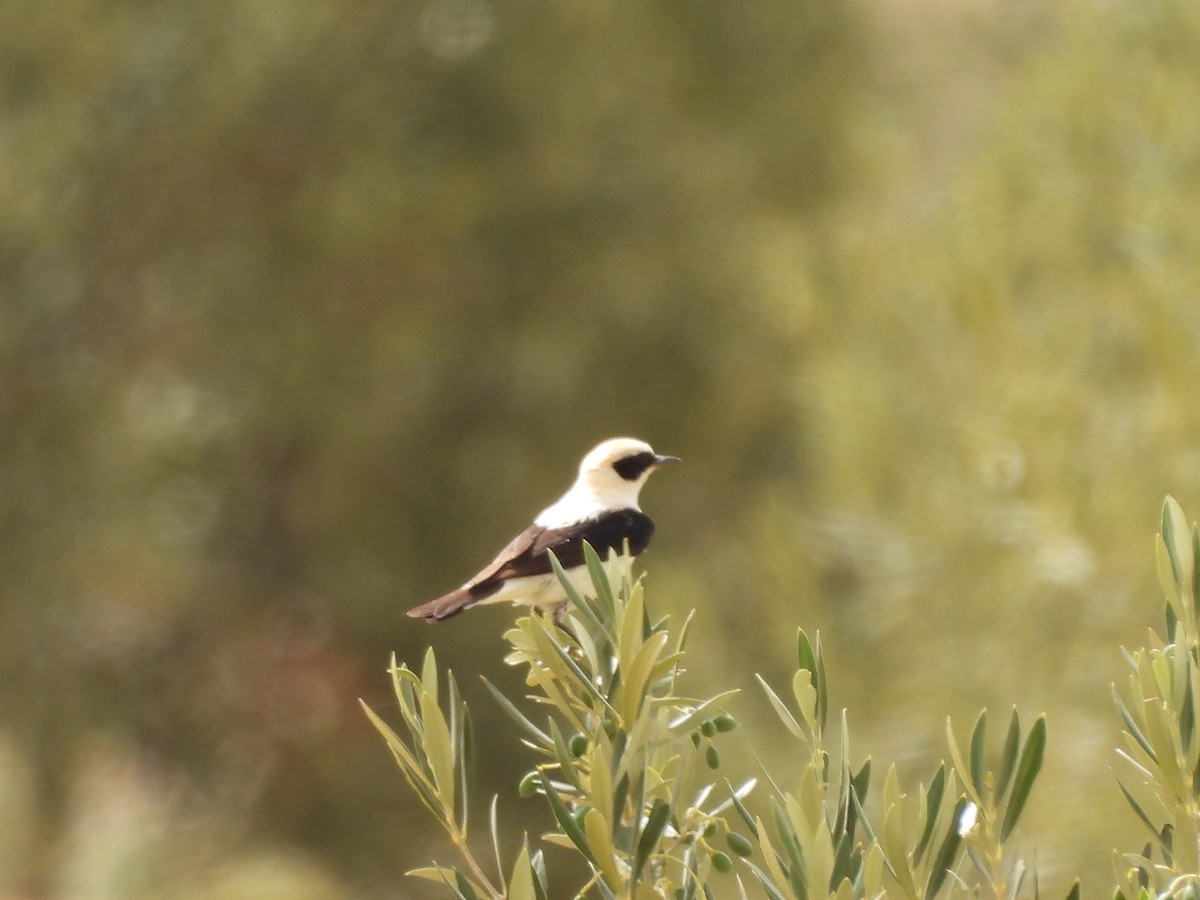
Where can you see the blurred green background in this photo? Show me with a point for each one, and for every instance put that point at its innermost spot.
(307, 307)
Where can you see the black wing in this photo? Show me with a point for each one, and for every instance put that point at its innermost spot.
(527, 553)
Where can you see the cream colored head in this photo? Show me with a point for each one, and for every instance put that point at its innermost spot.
(610, 477)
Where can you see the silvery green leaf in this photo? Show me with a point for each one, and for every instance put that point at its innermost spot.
(566, 821)
(976, 750)
(1008, 756)
(540, 737)
(1027, 772)
(782, 711)
(656, 822)
(947, 853)
(604, 594)
(1141, 813)
(1177, 540)
(933, 805)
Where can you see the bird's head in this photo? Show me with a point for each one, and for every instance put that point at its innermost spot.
(615, 470)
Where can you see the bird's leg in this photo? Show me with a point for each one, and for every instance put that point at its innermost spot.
(560, 612)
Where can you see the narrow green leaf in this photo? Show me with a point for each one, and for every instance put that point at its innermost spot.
(436, 733)
(1162, 734)
(894, 847)
(978, 737)
(581, 678)
(429, 675)
(741, 809)
(599, 838)
(579, 601)
(454, 708)
(431, 873)
(636, 687)
(402, 684)
(407, 689)
(1187, 712)
(466, 890)
(947, 853)
(494, 827)
(620, 797)
(872, 872)
(846, 862)
(772, 892)
(772, 860)
(1131, 726)
(822, 684)
(963, 771)
(1174, 529)
(466, 764)
(507, 705)
(414, 773)
(933, 805)
(600, 785)
(804, 652)
(1073, 894)
(1141, 813)
(862, 781)
(684, 630)
(844, 807)
(858, 791)
(1027, 772)
(1008, 757)
(656, 823)
(461, 751)
(862, 818)
(541, 884)
(597, 673)
(460, 886)
(808, 702)
(782, 711)
(629, 630)
(558, 679)
(796, 871)
(566, 821)
(604, 593)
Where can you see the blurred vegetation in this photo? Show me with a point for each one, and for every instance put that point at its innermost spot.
(307, 308)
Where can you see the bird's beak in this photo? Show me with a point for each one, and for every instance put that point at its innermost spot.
(660, 460)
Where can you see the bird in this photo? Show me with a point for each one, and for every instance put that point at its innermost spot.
(601, 507)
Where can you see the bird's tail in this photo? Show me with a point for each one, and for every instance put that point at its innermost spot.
(444, 607)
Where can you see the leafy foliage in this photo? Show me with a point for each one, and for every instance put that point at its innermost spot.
(630, 788)
(1161, 755)
(627, 764)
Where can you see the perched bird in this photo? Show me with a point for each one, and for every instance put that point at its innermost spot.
(601, 508)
